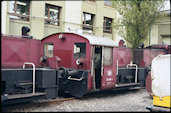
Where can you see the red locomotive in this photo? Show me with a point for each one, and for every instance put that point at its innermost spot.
(68, 63)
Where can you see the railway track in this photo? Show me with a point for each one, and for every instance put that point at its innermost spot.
(45, 103)
(35, 104)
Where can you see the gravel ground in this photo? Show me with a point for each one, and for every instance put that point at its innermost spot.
(132, 100)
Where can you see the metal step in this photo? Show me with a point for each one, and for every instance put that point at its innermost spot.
(26, 83)
(127, 85)
(19, 98)
(21, 83)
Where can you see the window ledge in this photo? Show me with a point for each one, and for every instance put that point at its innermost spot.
(108, 6)
(107, 34)
(19, 21)
(52, 25)
(107, 31)
(90, 2)
(90, 27)
(20, 15)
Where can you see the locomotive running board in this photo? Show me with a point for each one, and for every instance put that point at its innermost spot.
(127, 85)
(19, 98)
(117, 87)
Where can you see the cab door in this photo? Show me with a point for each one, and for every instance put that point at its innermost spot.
(108, 77)
(96, 67)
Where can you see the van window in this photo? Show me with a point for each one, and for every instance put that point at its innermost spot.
(80, 50)
(48, 49)
(107, 56)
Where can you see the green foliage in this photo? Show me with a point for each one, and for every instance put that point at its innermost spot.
(137, 18)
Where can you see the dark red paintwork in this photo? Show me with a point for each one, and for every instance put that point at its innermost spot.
(149, 54)
(16, 51)
(123, 55)
(148, 85)
(64, 49)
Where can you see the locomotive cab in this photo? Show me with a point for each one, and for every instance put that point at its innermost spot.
(83, 54)
(89, 63)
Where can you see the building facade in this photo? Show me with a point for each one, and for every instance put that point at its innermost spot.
(85, 16)
(161, 32)
(48, 17)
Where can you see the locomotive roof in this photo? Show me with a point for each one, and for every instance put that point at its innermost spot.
(97, 40)
(93, 40)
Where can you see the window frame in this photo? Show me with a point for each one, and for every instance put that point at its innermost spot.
(48, 17)
(84, 57)
(87, 27)
(14, 13)
(44, 52)
(104, 25)
(106, 61)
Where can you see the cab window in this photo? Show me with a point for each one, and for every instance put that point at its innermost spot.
(80, 50)
(48, 49)
(107, 55)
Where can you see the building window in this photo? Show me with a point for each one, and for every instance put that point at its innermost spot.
(79, 50)
(108, 2)
(20, 10)
(107, 25)
(88, 21)
(52, 14)
(48, 49)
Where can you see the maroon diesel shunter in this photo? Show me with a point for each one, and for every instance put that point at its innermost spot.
(69, 63)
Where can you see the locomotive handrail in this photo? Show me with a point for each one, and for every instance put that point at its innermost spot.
(131, 64)
(117, 63)
(33, 74)
(70, 78)
(102, 61)
(92, 66)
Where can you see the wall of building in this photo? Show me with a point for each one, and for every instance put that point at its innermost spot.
(153, 38)
(37, 10)
(36, 21)
(16, 25)
(4, 17)
(100, 10)
(73, 16)
(160, 32)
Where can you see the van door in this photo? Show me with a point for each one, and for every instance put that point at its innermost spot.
(108, 77)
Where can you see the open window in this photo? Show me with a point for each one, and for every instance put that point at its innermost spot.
(48, 49)
(52, 14)
(80, 50)
(88, 21)
(107, 25)
(19, 9)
